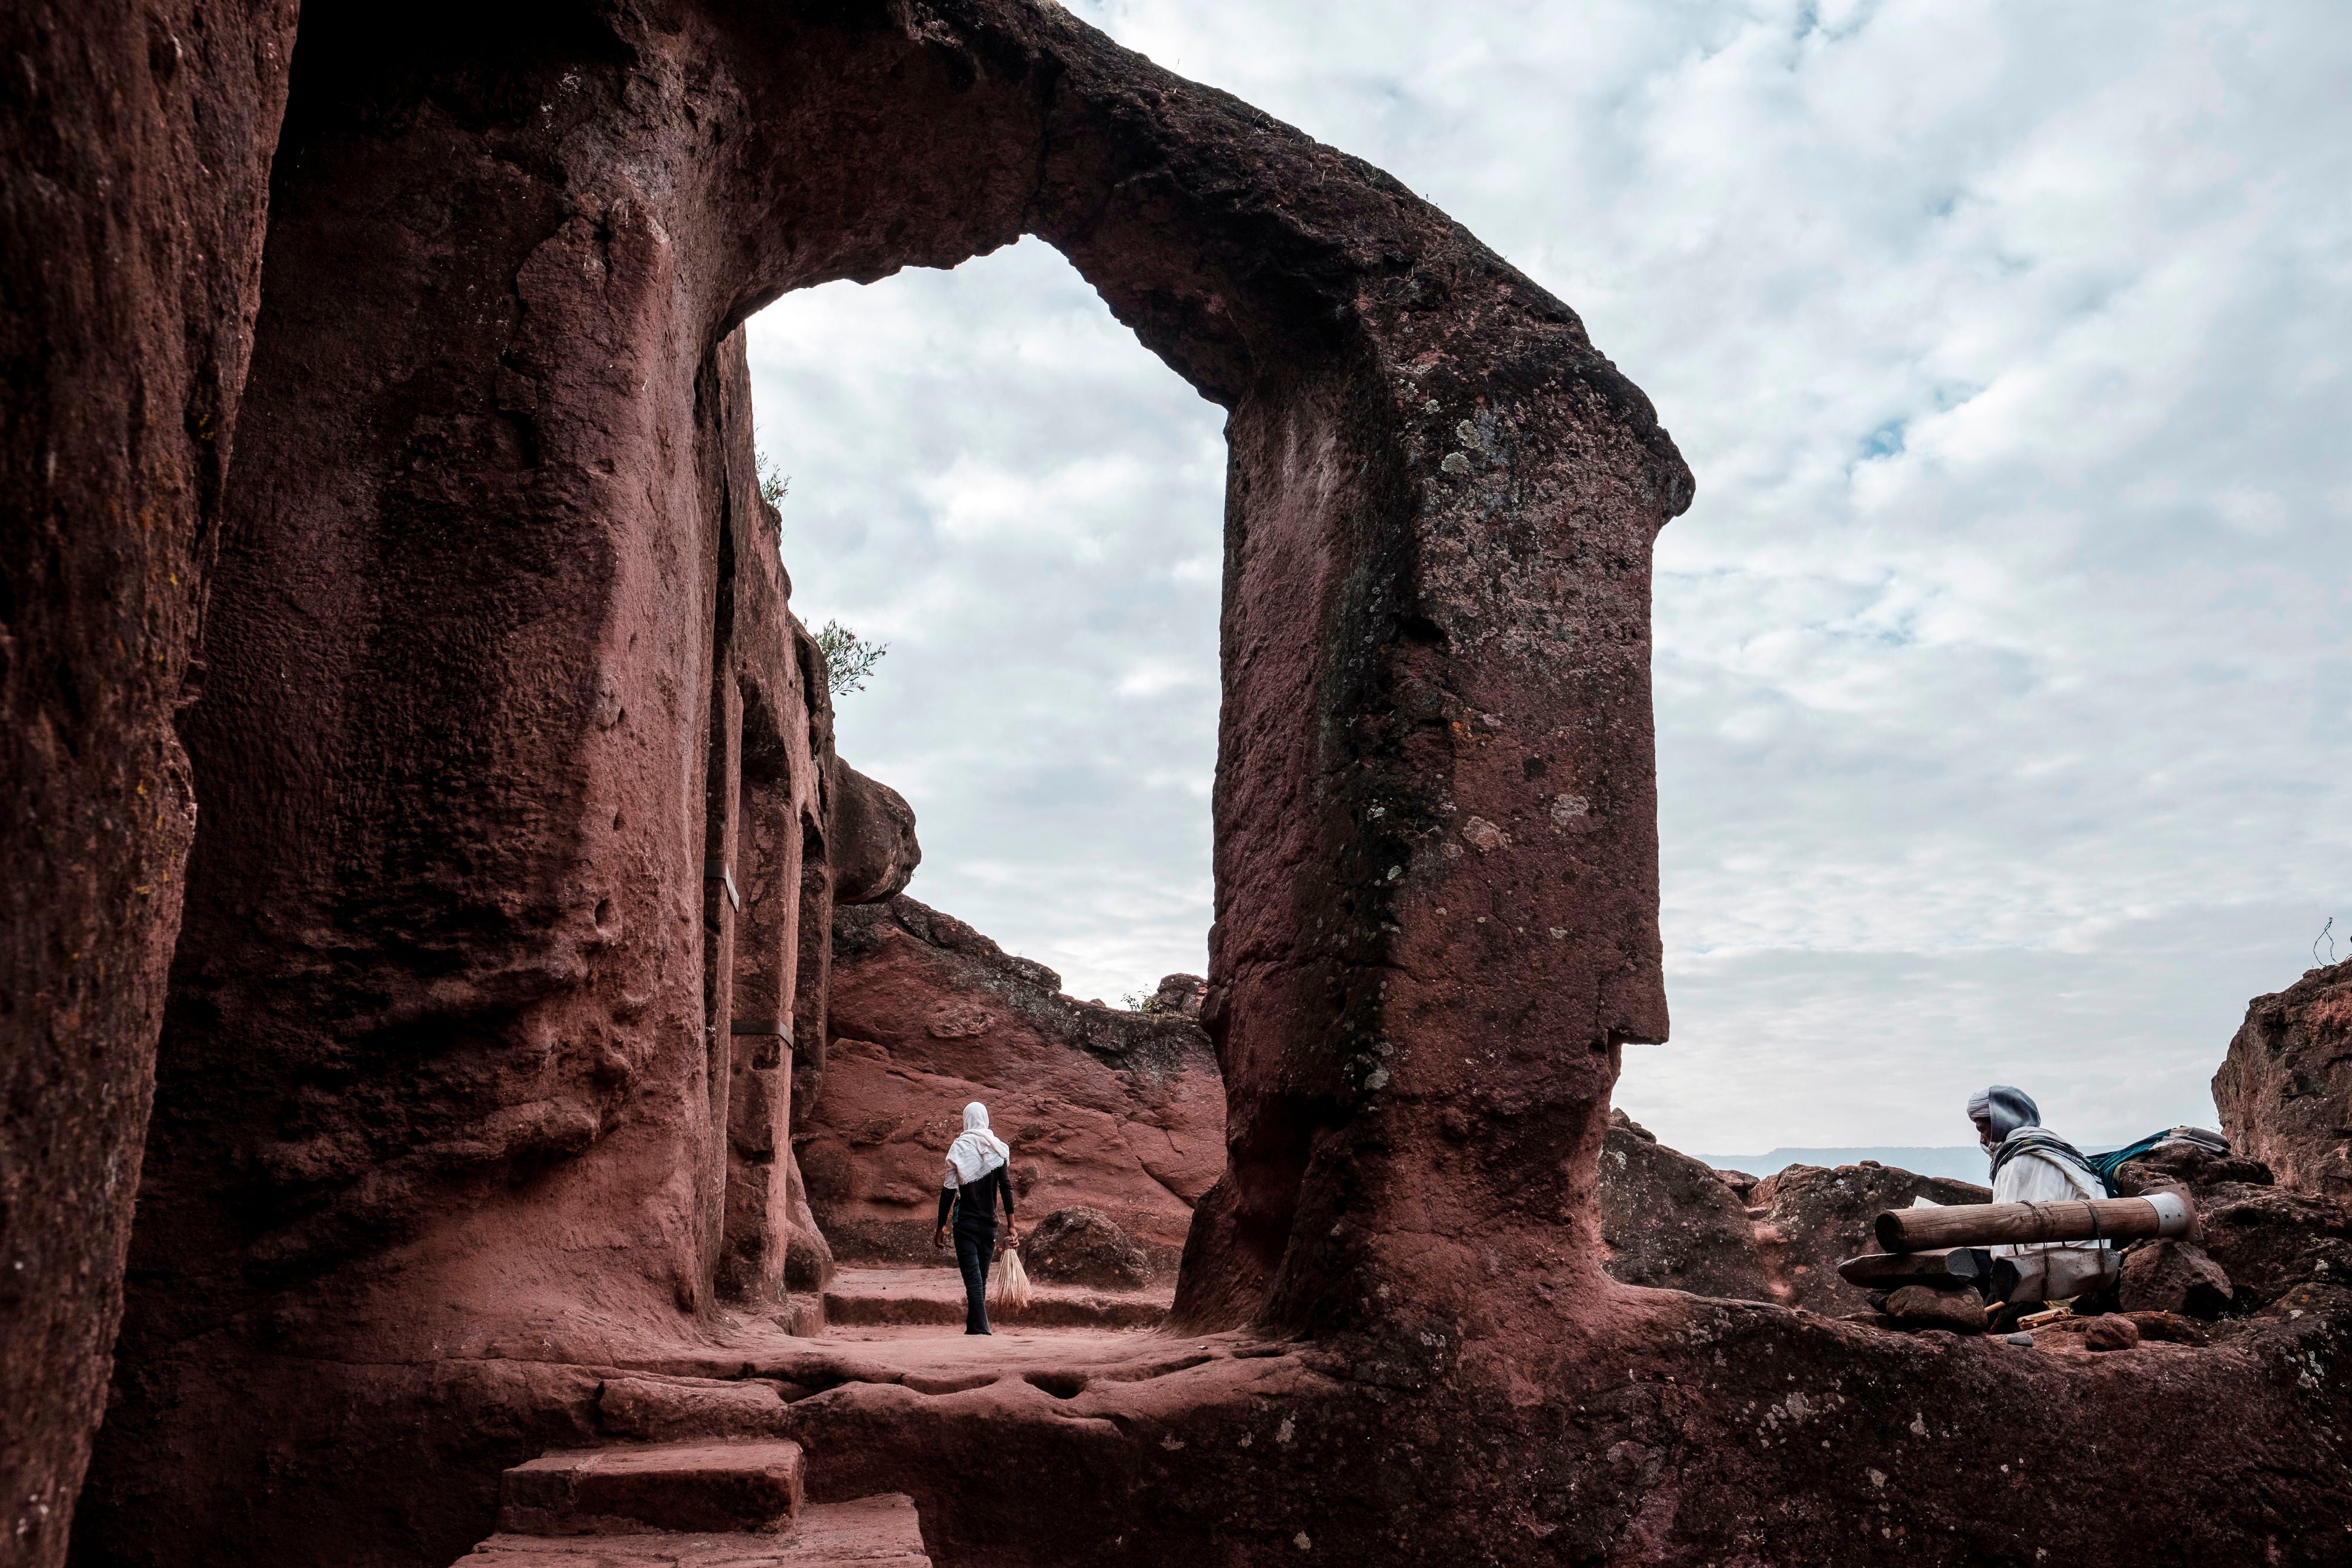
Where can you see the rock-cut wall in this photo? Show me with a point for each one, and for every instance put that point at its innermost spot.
(1113, 1110)
(135, 144)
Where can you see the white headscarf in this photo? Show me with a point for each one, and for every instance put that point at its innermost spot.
(976, 1151)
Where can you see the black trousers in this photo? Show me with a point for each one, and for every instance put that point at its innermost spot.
(975, 1245)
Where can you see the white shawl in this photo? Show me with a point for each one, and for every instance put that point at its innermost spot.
(976, 1151)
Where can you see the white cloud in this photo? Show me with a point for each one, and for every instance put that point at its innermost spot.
(2001, 662)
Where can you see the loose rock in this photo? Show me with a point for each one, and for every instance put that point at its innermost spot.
(1918, 1307)
(2173, 1276)
(2114, 1331)
(1085, 1247)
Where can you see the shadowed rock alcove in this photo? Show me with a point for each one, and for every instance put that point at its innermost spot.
(438, 1175)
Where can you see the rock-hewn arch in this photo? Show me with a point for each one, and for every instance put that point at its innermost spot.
(1440, 506)
(493, 517)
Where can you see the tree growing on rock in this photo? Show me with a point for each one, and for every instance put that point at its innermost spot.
(849, 659)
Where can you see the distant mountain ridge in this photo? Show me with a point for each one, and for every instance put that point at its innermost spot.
(1960, 1162)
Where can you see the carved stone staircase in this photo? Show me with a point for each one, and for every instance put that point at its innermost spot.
(933, 1297)
(690, 1505)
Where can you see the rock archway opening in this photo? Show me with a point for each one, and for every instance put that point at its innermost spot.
(981, 472)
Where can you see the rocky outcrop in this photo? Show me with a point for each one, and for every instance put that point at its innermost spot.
(1114, 1111)
(873, 846)
(1178, 996)
(1671, 1221)
(2285, 1088)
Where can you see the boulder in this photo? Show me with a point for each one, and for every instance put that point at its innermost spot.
(1178, 996)
(2285, 1088)
(1084, 1246)
(875, 851)
(1924, 1307)
(2112, 1331)
(2269, 1241)
(1669, 1220)
(2173, 1276)
(1116, 1111)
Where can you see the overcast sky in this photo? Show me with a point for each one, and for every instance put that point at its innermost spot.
(2003, 679)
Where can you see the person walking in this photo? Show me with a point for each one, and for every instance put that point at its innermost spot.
(980, 1176)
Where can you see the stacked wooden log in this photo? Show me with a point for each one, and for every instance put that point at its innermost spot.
(1941, 1288)
(1938, 1269)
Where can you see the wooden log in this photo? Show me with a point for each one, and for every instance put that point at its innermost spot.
(1883, 1270)
(2009, 1224)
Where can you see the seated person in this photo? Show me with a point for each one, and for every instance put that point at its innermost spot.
(2031, 1163)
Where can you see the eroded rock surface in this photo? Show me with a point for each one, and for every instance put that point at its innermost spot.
(135, 145)
(1116, 1111)
(1085, 1247)
(2285, 1088)
(1671, 1221)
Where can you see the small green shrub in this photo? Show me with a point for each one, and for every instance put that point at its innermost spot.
(849, 659)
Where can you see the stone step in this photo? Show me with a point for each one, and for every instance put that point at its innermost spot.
(871, 1297)
(879, 1532)
(704, 1486)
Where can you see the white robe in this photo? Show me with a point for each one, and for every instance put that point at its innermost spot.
(2040, 1179)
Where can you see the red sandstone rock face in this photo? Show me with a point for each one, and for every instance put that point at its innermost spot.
(135, 144)
(2286, 1090)
(1669, 1220)
(1118, 1111)
(505, 696)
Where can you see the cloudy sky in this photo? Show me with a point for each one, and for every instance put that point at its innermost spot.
(2004, 665)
